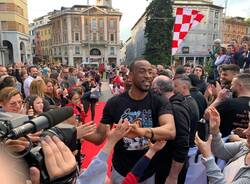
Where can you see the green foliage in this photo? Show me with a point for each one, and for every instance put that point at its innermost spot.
(158, 31)
(248, 20)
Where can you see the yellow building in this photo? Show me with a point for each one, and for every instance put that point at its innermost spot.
(236, 28)
(43, 42)
(14, 31)
(84, 34)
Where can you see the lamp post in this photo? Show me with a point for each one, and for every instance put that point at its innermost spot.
(224, 20)
(2, 49)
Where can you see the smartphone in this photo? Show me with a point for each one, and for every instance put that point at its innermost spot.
(203, 129)
(78, 118)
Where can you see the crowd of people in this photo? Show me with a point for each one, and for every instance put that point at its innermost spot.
(150, 123)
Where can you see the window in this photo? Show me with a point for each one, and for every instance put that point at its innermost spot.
(65, 51)
(111, 24)
(60, 51)
(77, 37)
(215, 25)
(214, 36)
(76, 21)
(55, 51)
(94, 36)
(101, 23)
(112, 51)
(112, 37)
(216, 15)
(101, 38)
(3, 6)
(77, 50)
(93, 24)
(64, 37)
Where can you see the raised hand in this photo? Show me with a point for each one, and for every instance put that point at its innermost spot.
(59, 160)
(214, 120)
(204, 147)
(119, 131)
(157, 146)
(86, 130)
(30, 111)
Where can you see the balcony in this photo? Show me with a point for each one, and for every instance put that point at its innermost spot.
(94, 42)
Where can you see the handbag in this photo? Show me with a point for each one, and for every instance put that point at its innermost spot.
(95, 95)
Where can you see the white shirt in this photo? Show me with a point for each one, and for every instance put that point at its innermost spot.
(26, 85)
(233, 168)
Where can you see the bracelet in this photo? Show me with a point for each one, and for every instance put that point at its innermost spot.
(152, 134)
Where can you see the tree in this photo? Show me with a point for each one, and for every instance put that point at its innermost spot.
(158, 31)
(248, 20)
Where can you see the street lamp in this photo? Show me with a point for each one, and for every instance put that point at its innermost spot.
(2, 48)
(224, 21)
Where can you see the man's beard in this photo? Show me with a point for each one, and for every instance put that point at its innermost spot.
(141, 88)
(34, 76)
(234, 94)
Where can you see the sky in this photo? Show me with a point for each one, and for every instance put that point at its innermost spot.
(131, 9)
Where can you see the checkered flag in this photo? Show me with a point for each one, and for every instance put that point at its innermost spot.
(186, 19)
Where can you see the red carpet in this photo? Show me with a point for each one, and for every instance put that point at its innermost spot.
(89, 149)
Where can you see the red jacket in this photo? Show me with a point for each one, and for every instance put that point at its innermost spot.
(78, 111)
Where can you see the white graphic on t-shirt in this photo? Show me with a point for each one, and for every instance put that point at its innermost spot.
(144, 119)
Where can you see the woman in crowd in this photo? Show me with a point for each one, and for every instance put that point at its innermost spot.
(221, 58)
(237, 154)
(60, 95)
(38, 87)
(11, 100)
(94, 97)
(34, 105)
(74, 100)
(49, 91)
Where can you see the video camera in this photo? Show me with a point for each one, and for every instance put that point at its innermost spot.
(13, 126)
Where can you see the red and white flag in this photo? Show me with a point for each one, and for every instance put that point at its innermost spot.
(186, 19)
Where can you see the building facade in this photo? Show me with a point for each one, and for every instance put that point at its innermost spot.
(38, 22)
(86, 34)
(43, 44)
(236, 28)
(14, 38)
(194, 49)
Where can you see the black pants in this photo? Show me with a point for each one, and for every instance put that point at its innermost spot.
(163, 171)
(92, 104)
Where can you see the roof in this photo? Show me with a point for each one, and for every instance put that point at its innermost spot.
(139, 20)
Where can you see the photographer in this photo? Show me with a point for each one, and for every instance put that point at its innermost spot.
(237, 154)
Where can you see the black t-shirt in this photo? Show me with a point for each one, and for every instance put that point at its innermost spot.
(194, 118)
(128, 151)
(234, 114)
(200, 100)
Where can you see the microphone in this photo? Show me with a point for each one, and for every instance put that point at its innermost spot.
(43, 121)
